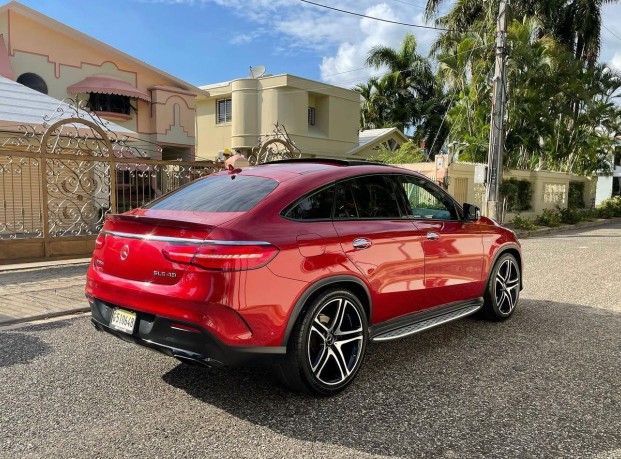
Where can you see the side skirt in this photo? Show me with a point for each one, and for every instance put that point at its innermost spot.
(420, 321)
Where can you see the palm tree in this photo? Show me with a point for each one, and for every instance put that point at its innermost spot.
(411, 78)
(574, 23)
(368, 115)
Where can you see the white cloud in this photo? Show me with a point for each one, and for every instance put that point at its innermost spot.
(342, 40)
(611, 35)
(346, 66)
(615, 62)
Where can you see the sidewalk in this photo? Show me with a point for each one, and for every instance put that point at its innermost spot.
(33, 292)
(543, 231)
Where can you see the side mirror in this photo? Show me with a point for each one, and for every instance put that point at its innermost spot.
(471, 212)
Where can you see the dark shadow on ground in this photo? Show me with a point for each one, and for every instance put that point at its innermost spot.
(546, 383)
(55, 325)
(20, 348)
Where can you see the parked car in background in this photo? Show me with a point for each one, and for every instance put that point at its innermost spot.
(298, 264)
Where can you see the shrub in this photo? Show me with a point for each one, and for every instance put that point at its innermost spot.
(610, 208)
(523, 223)
(575, 198)
(570, 216)
(589, 214)
(549, 217)
(519, 194)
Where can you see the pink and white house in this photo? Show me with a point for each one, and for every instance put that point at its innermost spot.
(50, 57)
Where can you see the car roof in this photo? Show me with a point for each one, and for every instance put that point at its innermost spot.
(320, 168)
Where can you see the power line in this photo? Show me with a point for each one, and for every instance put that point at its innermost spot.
(369, 66)
(411, 4)
(375, 18)
(611, 32)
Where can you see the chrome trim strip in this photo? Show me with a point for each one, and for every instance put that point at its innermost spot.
(432, 322)
(150, 237)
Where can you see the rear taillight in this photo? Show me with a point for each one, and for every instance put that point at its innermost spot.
(180, 253)
(100, 241)
(222, 256)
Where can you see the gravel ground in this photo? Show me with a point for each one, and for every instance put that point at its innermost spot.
(545, 384)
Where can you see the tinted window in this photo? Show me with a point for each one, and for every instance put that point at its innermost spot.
(220, 193)
(345, 204)
(316, 206)
(426, 201)
(372, 196)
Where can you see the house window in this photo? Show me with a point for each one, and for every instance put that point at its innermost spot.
(111, 103)
(223, 111)
(311, 116)
(33, 81)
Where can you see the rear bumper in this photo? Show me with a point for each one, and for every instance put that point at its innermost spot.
(198, 347)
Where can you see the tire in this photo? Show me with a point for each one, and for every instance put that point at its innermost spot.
(503, 289)
(326, 347)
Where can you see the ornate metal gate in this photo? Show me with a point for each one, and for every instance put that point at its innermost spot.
(58, 182)
(274, 146)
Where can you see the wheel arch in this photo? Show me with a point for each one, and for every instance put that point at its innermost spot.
(351, 283)
(513, 250)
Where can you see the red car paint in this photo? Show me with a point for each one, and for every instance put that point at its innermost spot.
(403, 271)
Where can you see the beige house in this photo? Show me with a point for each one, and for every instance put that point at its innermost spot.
(320, 118)
(54, 59)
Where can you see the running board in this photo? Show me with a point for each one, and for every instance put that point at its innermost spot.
(430, 322)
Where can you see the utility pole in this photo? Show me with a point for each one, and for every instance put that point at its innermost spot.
(496, 135)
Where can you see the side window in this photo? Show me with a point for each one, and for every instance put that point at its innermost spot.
(345, 204)
(317, 206)
(425, 201)
(372, 196)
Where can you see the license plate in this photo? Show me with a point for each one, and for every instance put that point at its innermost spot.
(123, 320)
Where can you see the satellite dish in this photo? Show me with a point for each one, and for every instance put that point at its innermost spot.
(258, 71)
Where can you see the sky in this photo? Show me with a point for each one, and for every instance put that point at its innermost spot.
(208, 41)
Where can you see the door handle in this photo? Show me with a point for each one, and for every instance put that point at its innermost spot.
(433, 236)
(361, 243)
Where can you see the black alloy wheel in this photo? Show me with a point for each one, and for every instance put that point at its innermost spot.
(327, 346)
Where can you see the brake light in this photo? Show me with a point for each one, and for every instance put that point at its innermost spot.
(100, 241)
(180, 253)
(223, 256)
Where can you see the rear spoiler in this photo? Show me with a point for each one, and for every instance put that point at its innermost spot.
(159, 221)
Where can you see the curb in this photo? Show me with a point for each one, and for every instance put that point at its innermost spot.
(49, 315)
(44, 264)
(560, 229)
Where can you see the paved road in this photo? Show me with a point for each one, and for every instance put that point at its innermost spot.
(545, 384)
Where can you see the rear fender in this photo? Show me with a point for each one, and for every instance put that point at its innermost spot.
(320, 286)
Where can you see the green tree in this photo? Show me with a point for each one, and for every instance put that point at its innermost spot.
(410, 78)
(576, 24)
(560, 114)
(407, 153)
(407, 97)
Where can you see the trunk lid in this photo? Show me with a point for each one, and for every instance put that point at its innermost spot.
(134, 242)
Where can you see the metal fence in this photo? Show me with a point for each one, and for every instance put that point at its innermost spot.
(57, 186)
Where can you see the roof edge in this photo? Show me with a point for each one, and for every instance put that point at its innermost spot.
(70, 31)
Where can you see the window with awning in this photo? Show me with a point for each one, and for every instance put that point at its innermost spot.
(108, 93)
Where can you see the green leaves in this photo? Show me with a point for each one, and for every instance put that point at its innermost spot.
(401, 97)
(560, 114)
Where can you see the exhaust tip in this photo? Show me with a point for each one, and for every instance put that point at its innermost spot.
(193, 362)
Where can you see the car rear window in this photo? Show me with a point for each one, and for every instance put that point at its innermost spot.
(221, 193)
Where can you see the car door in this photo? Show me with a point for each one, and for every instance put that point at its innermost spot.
(380, 240)
(453, 247)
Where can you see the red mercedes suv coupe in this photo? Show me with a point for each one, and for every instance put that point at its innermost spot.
(298, 264)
